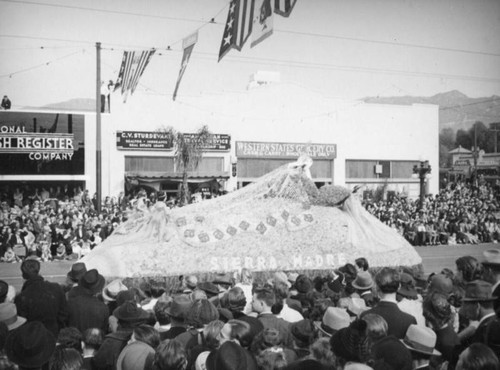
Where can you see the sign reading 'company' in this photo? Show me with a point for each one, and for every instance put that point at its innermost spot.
(251, 149)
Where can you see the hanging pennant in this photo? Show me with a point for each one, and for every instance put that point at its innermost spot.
(284, 7)
(262, 21)
(238, 26)
(132, 67)
(188, 46)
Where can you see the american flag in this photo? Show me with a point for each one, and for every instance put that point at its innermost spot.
(238, 26)
(284, 7)
(132, 67)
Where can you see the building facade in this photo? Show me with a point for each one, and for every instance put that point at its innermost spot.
(351, 143)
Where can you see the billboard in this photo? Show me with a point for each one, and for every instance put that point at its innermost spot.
(33, 143)
(252, 149)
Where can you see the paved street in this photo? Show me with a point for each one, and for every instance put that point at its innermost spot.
(434, 258)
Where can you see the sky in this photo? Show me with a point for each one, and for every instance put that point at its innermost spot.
(346, 49)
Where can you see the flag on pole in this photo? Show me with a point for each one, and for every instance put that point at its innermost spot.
(284, 7)
(131, 69)
(238, 26)
(188, 46)
(262, 21)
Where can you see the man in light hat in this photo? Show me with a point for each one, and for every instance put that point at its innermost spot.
(421, 340)
(363, 285)
(334, 319)
(8, 315)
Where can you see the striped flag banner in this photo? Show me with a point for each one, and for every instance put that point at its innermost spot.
(132, 67)
(188, 46)
(262, 21)
(238, 26)
(284, 7)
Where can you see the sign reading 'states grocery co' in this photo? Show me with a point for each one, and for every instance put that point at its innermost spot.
(251, 149)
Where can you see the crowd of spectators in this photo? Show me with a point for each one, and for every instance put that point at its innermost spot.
(349, 318)
(55, 222)
(460, 214)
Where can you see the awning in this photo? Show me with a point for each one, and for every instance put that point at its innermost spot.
(154, 179)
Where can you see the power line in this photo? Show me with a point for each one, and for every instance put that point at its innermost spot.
(119, 12)
(402, 44)
(212, 21)
(40, 65)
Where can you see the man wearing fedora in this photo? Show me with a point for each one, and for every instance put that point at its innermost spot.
(129, 316)
(363, 285)
(86, 310)
(421, 340)
(41, 300)
(73, 277)
(177, 311)
(492, 267)
(478, 305)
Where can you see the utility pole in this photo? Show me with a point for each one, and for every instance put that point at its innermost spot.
(98, 127)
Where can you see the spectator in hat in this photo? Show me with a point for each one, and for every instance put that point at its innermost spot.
(304, 287)
(177, 312)
(351, 343)
(211, 290)
(386, 349)
(478, 357)
(189, 283)
(41, 300)
(78, 269)
(30, 346)
(443, 284)
(334, 319)
(438, 315)
(86, 310)
(91, 342)
(478, 306)
(129, 316)
(409, 300)
(303, 334)
(421, 341)
(170, 355)
(492, 274)
(8, 315)
(262, 303)
(364, 285)
(110, 293)
(388, 283)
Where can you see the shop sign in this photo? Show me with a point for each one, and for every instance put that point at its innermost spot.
(216, 142)
(143, 140)
(41, 143)
(251, 149)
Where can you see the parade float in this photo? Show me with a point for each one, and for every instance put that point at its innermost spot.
(280, 222)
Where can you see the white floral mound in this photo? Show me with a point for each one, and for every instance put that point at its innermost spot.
(281, 222)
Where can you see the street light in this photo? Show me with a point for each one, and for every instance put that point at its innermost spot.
(422, 172)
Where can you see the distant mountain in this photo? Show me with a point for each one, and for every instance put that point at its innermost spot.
(456, 110)
(79, 105)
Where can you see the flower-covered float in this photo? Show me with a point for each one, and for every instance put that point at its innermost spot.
(281, 222)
